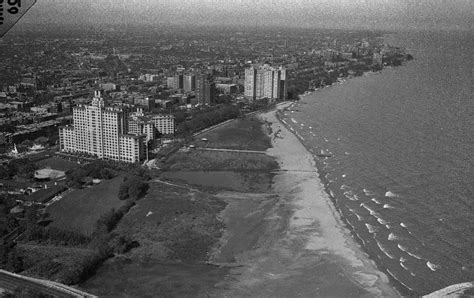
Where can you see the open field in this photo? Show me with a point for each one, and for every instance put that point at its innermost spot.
(53, 262)
(173, 223)
(80, 209)
(57, 164)
(242, 134)
(215, 181)
(175, 227)
(198, 160)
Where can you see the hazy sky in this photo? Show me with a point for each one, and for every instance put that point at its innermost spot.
(372, 14)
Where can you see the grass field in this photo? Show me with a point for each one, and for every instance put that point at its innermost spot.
(57, 164)
(195, 160)
(53, 262)
(79, 210)
(241, 134)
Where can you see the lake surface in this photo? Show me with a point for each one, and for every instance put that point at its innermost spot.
(401, 171)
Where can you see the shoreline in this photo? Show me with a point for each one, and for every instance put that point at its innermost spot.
(304, 247)
(382, 281)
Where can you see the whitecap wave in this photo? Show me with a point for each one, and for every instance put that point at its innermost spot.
(331, 194)
(382, 221)
(393, 237)
(403, 225)
(293, 120)
(404, 249)
(376, 201)
(368, 192)
(433, 266)
(345, 187)
(387, 206)
(371, 211)
(355, 213)
(302, 125)
(385, 251)
(404, 266)
(394, 277)
(390, 194)
(350, 195)
(372, 229)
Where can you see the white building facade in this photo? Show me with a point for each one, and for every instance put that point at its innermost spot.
(101, 131)
(265, 81)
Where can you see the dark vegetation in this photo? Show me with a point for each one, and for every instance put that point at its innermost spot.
(199, 120)
(22, 168)
(63, 255)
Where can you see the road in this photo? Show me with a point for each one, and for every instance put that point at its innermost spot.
(12, 282)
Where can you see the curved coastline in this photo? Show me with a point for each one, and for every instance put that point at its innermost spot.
(315, 214)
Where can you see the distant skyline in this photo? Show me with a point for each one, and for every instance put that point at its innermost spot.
(337, 14)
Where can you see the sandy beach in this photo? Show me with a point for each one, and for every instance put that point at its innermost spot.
(303, 248)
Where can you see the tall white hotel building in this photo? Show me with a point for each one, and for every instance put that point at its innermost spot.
(101, 131)
(264, 81)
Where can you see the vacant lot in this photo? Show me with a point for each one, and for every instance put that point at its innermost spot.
(79, 210)
(242, 134)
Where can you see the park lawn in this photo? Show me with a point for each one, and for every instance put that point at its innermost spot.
(80, 209)
(241, 134)
(57, 163)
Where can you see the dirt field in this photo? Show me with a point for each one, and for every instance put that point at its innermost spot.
(79, 210)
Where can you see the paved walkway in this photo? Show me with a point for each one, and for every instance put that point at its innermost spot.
(230, 150)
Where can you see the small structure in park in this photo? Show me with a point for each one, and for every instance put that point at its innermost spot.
(49, 174)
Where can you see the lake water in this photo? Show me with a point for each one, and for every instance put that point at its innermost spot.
(401, 171)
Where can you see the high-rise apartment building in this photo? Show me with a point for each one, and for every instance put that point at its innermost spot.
(205, 89)
(165, 124)
(101, 131)
(265, 81)
(189, 82)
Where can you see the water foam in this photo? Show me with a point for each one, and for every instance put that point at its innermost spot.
(376, 201)
(433, 266)
(392, 237)
(382, 221)
(390, 194)
(372, 229)
(394, 277)
(360, 218)
(404, 249)
(368, 192)
(350, 195)
(345, 187)
(385, 251)
(371, 211)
